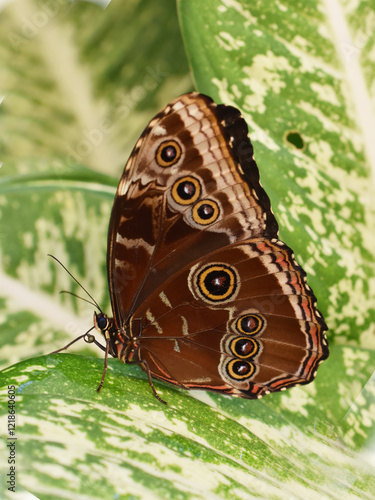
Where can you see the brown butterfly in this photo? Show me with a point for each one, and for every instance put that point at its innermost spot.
(204, 295)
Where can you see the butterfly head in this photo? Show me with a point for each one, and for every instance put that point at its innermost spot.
(105, 325)
(101, 322)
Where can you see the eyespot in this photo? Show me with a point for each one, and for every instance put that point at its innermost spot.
(168, 153)
(243, 347)
(240, 369)
(217, 282)
(250, 324)
(186, 190)
(205, 212)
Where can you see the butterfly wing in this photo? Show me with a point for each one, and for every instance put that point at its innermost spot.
(201, 287)
(240, 320)
(190, 186)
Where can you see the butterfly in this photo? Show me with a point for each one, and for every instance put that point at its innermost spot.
(204, 295)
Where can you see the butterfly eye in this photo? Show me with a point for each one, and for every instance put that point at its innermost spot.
(243, 347)
(240, 369)
(250, 324)
(205, 212)
(217, 283)
(101, 322)
(168, 153)
(186, 190)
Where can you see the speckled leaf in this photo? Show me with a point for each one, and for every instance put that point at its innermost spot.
(289, 68)
(78, 92)
(73, 95)
(80, 81)
(43, 214)
(293, 70)
(122, 443)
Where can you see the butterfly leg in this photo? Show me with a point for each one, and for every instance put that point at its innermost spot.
(147, 370)
(105, 365)
(131, 356)
(144, 365)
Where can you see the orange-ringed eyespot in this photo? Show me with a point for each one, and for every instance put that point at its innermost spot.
(250, 324)
(186, 191)
(168, 153)
(240, 369)
(217, 282)
(205, 212)
(243, 347)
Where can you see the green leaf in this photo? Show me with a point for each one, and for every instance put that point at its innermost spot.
(76, 99)
(73, 441)
(80, 84)
(282, 66)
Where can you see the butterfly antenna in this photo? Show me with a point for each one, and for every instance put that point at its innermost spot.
(78, 283)
(78, 297)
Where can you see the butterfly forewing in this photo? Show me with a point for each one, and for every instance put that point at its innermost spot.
(165, 216)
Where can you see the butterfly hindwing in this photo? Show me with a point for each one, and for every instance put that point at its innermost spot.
(240, 320)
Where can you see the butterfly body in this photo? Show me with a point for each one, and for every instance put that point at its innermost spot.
(204, 294)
